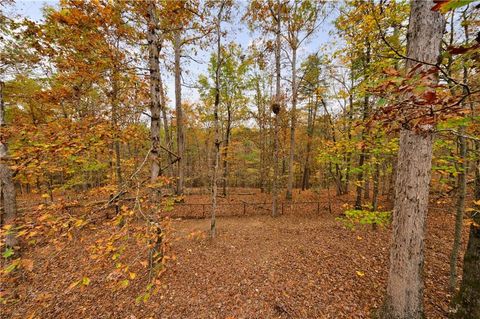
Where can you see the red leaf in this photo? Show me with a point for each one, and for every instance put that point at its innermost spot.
(391, 71)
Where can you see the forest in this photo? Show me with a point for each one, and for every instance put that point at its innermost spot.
(240, 159)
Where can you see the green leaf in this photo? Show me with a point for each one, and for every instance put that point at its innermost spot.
(8, 252)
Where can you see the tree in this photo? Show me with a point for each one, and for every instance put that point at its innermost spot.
(269, 17)
(233, 101)
(218, 23)
(405, 279)
(154, 42)
(311, 89)
(301, 21)
(7, 187)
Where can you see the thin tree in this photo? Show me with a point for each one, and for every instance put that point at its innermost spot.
(301, 23)
(276, 107)
(177, 49)
(218, 139)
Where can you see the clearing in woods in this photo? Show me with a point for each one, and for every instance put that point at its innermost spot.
(296, 266)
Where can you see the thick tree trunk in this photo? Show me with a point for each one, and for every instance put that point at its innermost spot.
(405, 281)
(7, 187)
(179, 110)
(404, 297)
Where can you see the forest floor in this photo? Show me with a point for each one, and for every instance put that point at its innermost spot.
(299, 265)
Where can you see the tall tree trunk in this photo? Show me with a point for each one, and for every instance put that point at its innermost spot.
(115, 128)
(312, 114)
(293, 120)
(179, 110)
(361, 162)
(166, 127)
(366, 191)
(263, 137)
(155, 103)
(276, 107)
(213, 222)
(228, 132)
(361, 184)
(7, 187)
(349, 131)
(338, 172)
(467, 302)
(461, 177)
(460, 208)
(404, 297)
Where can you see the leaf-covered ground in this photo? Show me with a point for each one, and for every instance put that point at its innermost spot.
(295, 266)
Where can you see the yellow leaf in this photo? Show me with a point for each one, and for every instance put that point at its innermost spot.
(124, 283)
(85, 281)
(360, 273)
(132, 275)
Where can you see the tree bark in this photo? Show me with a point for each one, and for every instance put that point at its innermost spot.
(312, 114)
(293, 120)
(168, 138)
(7, 187)
(467, 302)
(213, 227)
(228, 132)
(276, 110)
(460, 208)
(179, 110)
(115, 128)
(461, 178)
(155, 105)
(361, 183)
(405, 285)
